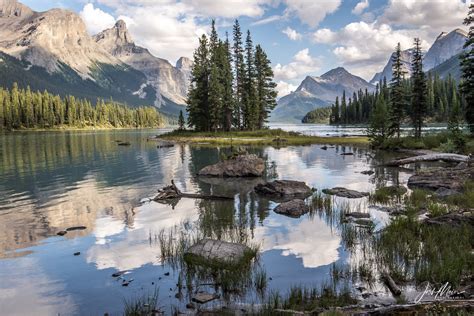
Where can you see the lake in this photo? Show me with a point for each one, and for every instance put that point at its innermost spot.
(50, 181)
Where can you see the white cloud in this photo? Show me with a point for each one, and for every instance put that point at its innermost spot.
(267, 20)
(284, 88)
(292, 34)
(229, 9)
(360, 7)
(324, 36)
(365, 47)
(301, 65)
(95, 19)
(312, 12)
(431, 15)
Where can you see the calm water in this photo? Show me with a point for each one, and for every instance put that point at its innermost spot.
(53, 180)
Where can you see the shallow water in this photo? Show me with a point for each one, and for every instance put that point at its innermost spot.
(50, 181)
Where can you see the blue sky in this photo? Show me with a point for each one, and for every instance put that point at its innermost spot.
(301, 37)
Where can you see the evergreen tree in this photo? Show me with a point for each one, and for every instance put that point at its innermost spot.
(250, 112)
(467, 67)
(227, 77)
(198, 95)
(181, 121)
(239, 74)
(266, 93)
(455, 124)
(379, 127)
(343, 109)
(419, 91)
(397, 97)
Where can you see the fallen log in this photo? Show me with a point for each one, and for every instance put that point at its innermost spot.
(393, 287)
(172, 192)
(429, 157)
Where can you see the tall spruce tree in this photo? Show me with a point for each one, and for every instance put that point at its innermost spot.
(419, 90)
(467, 67)
(266, 93)
(239, 74)
(379, 127)
(343, 108)
(198, 95)
(249, 99)
(228, 100)
(397, 95)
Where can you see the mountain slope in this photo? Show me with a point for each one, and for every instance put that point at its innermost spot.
(451, 67)
(316, 92)
(170, 82)
(444, 48)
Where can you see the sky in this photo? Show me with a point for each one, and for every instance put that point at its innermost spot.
(301, 37)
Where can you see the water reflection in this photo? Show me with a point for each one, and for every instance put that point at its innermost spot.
(51, 181)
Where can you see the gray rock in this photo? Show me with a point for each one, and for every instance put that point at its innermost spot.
(240, 166)
(445, 192)
(211, 252)
(284, 190)
(203, 298)
(293, 208)
(357, 215)
(448, 178)
(343, 192)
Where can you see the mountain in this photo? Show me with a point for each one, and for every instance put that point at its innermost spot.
(169, 82)
(451, 67)
(52, 50)
(443, 49)
(406, 58)
(316, 92)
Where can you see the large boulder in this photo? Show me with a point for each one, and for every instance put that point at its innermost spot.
(217, 252)
(343, 192)
(240, 166)
(447, 178)
(294, 208)
(284, 190)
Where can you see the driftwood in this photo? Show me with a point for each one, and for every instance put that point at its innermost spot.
(396, 291)
(429, 157)
(172, 192)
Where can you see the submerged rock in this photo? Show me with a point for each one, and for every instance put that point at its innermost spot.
(284, 189)
(347, 154)
(294, 208)
(61, 233)
(368, 172)
(357, 215)
(240, 166)
(218, 252)
(343, 192)
(76, 228)
(202, 298)
(447, 178)
(124, 144)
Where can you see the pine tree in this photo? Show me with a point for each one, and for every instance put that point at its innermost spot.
(343, 109)
(467, 66)
(379, 128)
(336, 111)
(455, 124)
(181, 121)
(227, 78)
(250, 112)
(198, 95)
(419, 91)
(397, 97)
(266, 93)
(239, 73)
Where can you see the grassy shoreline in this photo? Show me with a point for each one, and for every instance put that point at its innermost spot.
(261, 137)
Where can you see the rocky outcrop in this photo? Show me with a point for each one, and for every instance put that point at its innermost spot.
(447, 178)
(294, 208)
(240, 166)
(217, 252)
(343, 192)
(168, 81)
(446, 46)
(284, 190)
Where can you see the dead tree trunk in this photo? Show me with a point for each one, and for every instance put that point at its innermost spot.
(391, 284)
(172, 192)
(429, 157)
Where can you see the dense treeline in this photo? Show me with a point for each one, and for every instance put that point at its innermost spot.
(442, 96)
(232, 86)
(318, 116)
(23, 108)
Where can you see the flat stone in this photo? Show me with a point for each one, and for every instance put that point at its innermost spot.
(294, 208)
(343, 192)
(284, 189)
(61, 233)
(445, 192)
(210, 251)
(76, 228)
(77, 253)
(447, 178)
(368, 172)
(124, 144)
(364, 222)
(347, 154)
(357, 215)
(203, 298)
(240, 166)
